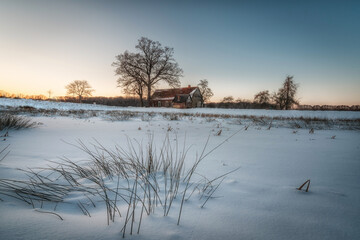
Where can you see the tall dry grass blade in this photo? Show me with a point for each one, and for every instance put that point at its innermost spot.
(212, 192)
(41, 211)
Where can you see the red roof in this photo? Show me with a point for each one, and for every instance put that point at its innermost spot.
(166, 94)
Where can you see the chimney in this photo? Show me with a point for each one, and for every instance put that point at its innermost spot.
(189, 86)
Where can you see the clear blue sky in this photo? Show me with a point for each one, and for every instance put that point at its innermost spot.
(241, 47)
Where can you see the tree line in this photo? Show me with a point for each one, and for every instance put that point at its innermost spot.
(284, 98)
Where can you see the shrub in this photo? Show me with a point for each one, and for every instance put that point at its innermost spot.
(171, 116)
(120, 115)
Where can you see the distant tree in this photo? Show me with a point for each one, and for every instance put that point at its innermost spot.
(278, 99)
(262, 97)
(285, 97)
(79, 88)
(50, 92)
(242, 103)
(239, 100)
(152, 64)
(206, 92)
(228, 99)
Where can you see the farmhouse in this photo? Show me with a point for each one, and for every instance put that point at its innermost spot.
(188, 97)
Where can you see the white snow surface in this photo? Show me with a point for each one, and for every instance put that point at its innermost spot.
(259, 201)
(8, 102)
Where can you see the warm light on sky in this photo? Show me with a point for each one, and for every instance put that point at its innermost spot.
(241, 47)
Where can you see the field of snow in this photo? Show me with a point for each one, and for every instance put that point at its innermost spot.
(258, 201)
(8, 102)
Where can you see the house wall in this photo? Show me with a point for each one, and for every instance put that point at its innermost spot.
(162, 104)
(197, 100)
(179, 105)
(167, 103)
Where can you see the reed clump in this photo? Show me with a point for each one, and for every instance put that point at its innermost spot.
(140, 178)
(11, 121)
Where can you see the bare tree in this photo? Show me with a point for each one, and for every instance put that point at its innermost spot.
(262, 97)
(129, 77)
(278, 99)
(285, 97)
(152, 64)
(228, 99)
(50, 93)
(79, 88)
(206, 92)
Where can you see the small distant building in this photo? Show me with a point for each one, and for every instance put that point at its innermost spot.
(188, 97)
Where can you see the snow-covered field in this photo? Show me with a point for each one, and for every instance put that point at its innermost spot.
(258, 201)
(8, 102)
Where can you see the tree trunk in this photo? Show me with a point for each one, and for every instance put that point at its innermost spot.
(149, 95)
(141, 100)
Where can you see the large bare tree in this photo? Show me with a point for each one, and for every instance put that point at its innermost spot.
(79, 88)
(206, 92)
(152, 64)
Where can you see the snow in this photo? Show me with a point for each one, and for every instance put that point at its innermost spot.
(7, 102)
(258, 201)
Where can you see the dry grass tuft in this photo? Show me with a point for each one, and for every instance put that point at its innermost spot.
(138, 178)
(10, 121)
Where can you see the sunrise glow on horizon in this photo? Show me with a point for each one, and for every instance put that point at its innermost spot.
(240, 47)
